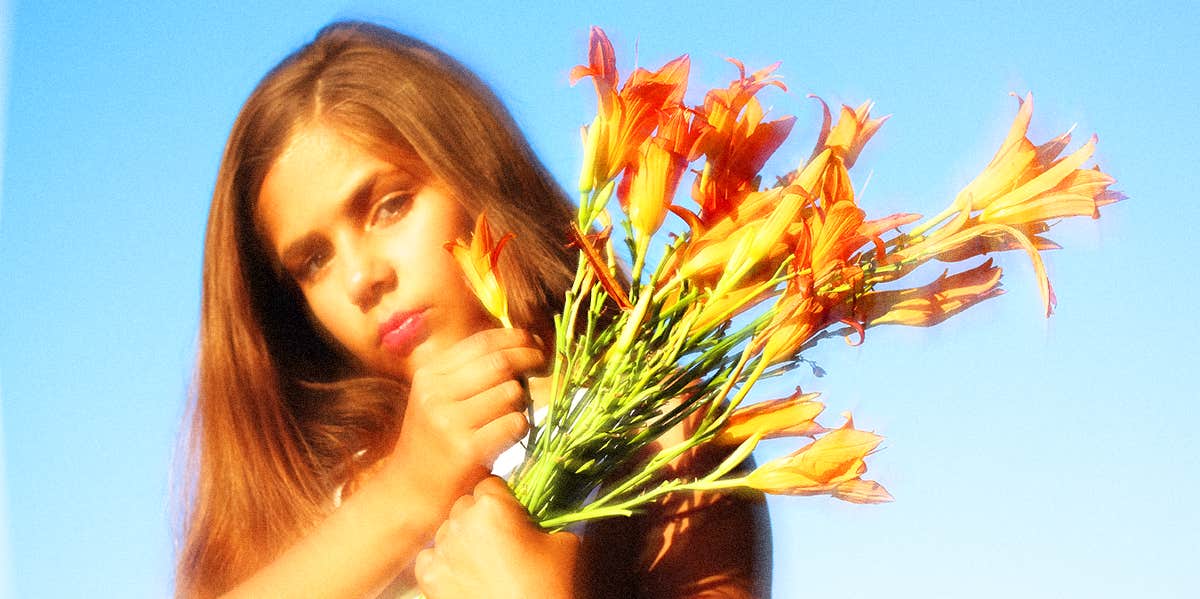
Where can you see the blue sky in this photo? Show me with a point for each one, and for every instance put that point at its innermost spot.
(1029, 457)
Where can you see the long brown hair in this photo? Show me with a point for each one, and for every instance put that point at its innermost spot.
(276, 411)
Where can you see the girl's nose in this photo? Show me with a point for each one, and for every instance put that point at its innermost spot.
(370, 277)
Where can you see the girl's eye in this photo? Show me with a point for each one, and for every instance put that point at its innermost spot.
(390, 209)
(312, 266)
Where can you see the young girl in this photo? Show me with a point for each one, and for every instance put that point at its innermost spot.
(352, 393)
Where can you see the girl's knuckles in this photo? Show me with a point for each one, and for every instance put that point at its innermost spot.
(487, 341)
(500, 366)
(511, 391)
(442, 422)
(460, 505)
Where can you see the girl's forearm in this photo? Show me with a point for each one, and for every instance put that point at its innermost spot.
(355, 552)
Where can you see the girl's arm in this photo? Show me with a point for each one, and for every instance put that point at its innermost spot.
(461, 413)
(354, 552)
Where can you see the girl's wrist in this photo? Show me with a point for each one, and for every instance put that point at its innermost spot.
(395, 505)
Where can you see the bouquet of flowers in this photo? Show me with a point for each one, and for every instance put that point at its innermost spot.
(760, 274)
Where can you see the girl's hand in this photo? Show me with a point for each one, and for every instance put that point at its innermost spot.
(489, 547)
(462, 412)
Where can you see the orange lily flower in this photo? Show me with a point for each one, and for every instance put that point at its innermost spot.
(1006, 206)
(747, 251)
(833, 464)
(738, 142)
(854, 129)
(711, 248)
(602, 68)
(626, 118)
(933, 303)
(752, 238)
(844, 141)
(791, 416)
(648, 188)
(478, 260)
(835, 237)
(1080, 193)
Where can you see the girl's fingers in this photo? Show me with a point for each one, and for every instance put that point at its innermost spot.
(483, 343)
(480, 374)
(461, 505)
(492, 369)
(498, 435)
(493, 489)
(430, 573)
(453, 527)
(493, 403)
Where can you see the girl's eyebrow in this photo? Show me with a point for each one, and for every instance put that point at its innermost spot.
(356, 203)
(352, 205)
(299, 249)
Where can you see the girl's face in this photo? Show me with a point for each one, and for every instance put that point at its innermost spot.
(363, 236)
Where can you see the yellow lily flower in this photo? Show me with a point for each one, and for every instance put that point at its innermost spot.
(833, 464)
(792, 416)
(1025, 183)
(478, 260)
(719, 307)
(796, 320)
(651, 186)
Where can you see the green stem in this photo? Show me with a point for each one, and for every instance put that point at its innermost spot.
(627, 507)
(639, 259)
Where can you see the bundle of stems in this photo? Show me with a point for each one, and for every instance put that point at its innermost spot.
(758, 276)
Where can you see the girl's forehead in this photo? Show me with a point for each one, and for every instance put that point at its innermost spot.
(322, 161)
(322, 139)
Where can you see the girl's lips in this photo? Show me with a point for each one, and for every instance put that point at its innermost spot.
(400, 332)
